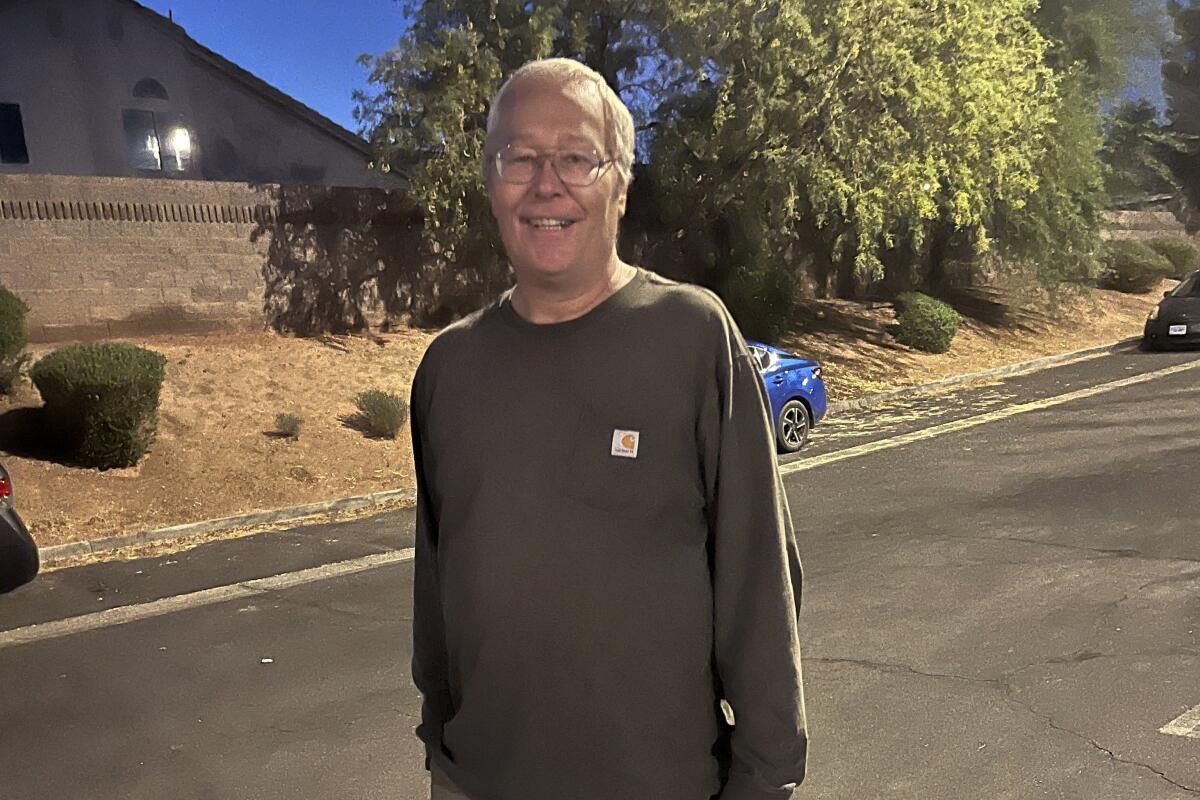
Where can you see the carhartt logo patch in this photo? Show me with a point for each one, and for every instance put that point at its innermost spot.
(625, 444)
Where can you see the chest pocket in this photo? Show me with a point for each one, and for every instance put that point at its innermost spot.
(632, 467)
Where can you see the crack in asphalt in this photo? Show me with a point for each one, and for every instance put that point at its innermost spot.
(1049, 720)
(1003, 683)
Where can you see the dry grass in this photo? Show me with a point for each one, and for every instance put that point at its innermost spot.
(216, 453)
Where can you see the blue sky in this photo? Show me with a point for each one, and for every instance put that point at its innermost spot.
(308, 51)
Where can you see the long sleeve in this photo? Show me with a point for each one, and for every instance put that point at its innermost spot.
(429, 664)
(757, 581)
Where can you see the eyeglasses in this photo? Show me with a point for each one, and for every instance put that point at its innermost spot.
(573, 167)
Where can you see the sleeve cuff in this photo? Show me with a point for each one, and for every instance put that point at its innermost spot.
(741, 787)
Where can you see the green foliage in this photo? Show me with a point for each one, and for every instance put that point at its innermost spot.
(1183, 255)
(101, 400)
(381, 413)
(288, 425)
(1103, 37)
(1181, 68)
(851, 125)
(12, 338)
(836, 127)
(1053, 236)
(12, 325)
(925, 323)
(1181, 85)
(762, 302)
(1133, 267)
(1137, 150)
(10, 372)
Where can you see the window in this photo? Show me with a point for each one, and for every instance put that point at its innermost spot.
(12, 135)
(141, 140)
(1189, 288)
(148, 87)
(159, 142)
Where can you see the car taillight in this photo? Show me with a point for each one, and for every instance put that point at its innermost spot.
(5, 488)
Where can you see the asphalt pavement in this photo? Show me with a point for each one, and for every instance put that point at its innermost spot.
(996, 604)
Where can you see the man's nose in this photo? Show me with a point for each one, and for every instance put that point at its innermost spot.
(546, 180)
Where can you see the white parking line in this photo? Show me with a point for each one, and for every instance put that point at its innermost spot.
(205, 597)
(1187, 724)
(982, 419)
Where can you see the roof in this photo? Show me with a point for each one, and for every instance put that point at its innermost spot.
(252, 82)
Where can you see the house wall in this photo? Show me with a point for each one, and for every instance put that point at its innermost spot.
(72, 66)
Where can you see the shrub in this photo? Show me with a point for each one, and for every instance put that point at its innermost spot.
(101, 401)
(1132, 267)
(1183, 255)
(288, 425)
(382, 413)
(925, 323)
(12, 338)
(10, 372)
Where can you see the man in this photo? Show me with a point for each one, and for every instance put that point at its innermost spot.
(604, 552)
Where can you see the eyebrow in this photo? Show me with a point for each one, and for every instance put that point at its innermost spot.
(569, 139)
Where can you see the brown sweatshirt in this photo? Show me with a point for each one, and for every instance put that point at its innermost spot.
(604, 553)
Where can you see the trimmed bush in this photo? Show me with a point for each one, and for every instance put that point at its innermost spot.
(288, 425)
(925, 323)
(12, 338)
(382, 414)
(101, 401)
(1132, 267)
(1183, 255)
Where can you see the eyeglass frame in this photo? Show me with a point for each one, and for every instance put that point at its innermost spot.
(602, 166)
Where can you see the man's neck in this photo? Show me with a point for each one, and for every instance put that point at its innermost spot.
(546, 304)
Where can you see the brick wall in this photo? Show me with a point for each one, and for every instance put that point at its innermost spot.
(101, 257)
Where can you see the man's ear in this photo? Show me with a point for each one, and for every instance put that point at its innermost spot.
(621, 198)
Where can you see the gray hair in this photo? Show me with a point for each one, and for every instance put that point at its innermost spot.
(618, 122)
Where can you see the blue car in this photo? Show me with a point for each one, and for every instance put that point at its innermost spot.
(796, 392)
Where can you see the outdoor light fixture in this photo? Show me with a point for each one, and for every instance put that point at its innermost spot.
(178, 149)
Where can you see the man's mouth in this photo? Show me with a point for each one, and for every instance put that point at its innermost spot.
(549, 223)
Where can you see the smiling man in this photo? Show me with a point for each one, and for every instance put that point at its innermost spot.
(604, 552)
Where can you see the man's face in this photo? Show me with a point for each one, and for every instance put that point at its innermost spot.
(543, 115)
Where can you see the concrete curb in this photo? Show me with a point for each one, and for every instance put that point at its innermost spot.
(61, 552)
(1009, 369)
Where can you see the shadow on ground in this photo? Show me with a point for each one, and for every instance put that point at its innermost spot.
(23, 434)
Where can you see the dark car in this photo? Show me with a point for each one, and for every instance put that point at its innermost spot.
(1176, 318)
(18, 553)
(795, 394)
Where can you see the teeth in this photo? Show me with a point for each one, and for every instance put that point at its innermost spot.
(546, 222)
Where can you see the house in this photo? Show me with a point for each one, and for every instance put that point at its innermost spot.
(109, 88)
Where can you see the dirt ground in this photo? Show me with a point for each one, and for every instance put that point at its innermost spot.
(215, 454)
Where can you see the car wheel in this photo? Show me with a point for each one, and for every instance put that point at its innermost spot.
(791, 429)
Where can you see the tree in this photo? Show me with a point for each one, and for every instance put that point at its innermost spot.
(1136, 150)
(1054, 235)
(853, 127)
(866, 136)
(1181, 85)
(1100, 38)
